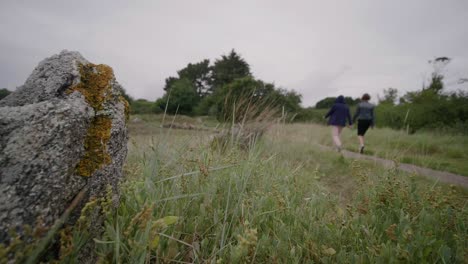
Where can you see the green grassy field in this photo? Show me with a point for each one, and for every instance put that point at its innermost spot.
(281, 201)
(435, 151)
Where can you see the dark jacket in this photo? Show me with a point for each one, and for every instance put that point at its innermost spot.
(365, 111)
(339, 113)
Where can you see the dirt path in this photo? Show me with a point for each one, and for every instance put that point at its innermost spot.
(441, 176)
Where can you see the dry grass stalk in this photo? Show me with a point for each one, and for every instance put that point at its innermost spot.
(249, 117)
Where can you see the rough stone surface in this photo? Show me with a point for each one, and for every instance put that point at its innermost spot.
(44, 134)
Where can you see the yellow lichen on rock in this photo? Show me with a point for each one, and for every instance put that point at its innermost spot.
(95, 86)
(96, 140)
(126, 107)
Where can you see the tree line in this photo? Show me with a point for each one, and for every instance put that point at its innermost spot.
(431, 108)
(202, 88)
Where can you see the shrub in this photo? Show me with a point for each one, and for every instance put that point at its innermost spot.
(142, 106)
(426, 110)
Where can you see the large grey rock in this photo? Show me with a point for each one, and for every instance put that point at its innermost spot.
(62, 132)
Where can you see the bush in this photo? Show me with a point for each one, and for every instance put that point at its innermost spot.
(4, 92)
(182, 98)
(426, 110)
(248, 96)
(142, 106)
(311, 114)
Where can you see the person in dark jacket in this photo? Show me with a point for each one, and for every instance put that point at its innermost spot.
(339, 114)
(365, 116)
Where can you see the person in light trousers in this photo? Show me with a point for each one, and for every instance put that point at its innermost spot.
(338, 115)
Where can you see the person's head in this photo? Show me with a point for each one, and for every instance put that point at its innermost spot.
(340, 100)
(365, 97)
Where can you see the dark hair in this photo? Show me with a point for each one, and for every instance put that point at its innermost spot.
(365, 97)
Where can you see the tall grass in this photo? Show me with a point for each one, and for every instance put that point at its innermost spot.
(443, 152)
(248, 117)
(277, 202)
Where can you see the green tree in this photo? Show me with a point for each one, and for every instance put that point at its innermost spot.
(168, 82)
(199, 74)
(435, 88)
(227, 69)
(329, 101)
(390, 96)
(248, 96)
(350, 101)
(181, 98)
(438, 64)
(325, 103)
(436, 84)
(207, 106)
(239, 95)
(289, 100)
(4, 92)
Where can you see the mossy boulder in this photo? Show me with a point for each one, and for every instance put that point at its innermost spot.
(63, 133)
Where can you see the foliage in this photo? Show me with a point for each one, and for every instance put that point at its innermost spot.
(390, 96)
(168, 83)
(181, 98)
(251, 92)
(282, 201)
(290, 101)
(272, 204)
(438, 64)
(199, 74)
(329, 101)
(207, 106)
(142, 106)
(427, 109)
(436, 85)
(429, 149)
(206, 80)
(229, 68)
(311, 114)
(246, 90)
(4, 92)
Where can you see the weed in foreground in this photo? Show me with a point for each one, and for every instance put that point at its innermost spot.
(264, 205)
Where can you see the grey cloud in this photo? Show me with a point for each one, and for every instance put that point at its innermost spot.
(320, 84)
(299, 45)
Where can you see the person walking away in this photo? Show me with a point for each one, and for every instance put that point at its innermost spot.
(366, 118)
(338, 115)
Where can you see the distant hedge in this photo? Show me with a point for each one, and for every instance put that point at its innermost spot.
(427, 110)
(142, 106)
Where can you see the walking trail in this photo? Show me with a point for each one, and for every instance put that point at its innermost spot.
(441, 176)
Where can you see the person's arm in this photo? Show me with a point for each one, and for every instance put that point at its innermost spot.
(349, 117)
(358, 110)
(373, 117)
(332, 110)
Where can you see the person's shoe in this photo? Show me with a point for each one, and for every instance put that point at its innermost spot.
(338, 149)
(361, 149)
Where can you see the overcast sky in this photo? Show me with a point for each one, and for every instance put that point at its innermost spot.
(318, 48)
